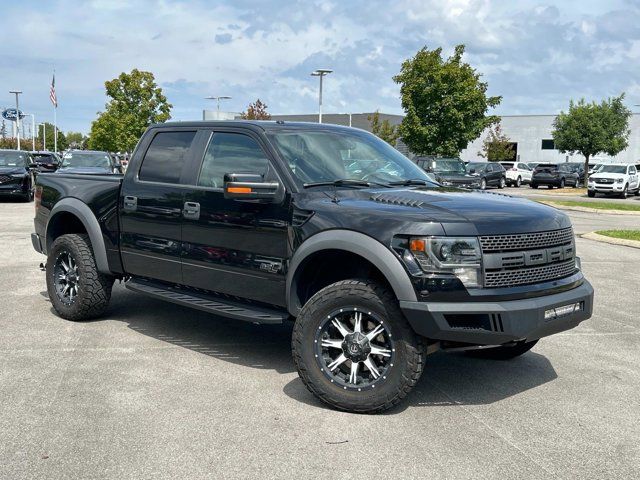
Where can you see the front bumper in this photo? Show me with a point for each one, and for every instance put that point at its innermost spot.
(495, 323)
(16, 187)
(606, 188)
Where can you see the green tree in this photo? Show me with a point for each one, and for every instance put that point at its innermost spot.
(135, 103)
(63, 144)
(256, 111)
(496, 147)
(77, 140)
(445, 103)
(384, 130)
(592, 128)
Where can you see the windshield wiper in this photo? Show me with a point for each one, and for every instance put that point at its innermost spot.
(411, 181)
(342, 182)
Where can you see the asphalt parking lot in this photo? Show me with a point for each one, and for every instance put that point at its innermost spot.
(154, 390)
(550, 195)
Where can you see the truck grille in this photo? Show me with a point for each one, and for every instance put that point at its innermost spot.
(528, 276)
(528, 258)
(526, 241)
(604, 180)
(4, 178)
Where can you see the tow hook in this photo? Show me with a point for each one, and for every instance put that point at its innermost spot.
(42, 267)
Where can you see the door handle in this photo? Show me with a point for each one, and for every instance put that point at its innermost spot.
(130, 203)
(191, 210)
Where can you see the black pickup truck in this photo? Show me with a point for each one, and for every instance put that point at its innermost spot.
(325, 226)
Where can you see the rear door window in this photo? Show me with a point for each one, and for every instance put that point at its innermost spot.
(166, 156)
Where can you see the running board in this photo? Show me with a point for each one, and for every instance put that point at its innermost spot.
(208, 303)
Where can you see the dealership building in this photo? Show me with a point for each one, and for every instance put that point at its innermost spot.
(530, 134)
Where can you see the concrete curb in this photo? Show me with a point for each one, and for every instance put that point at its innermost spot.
(615, 241)
(590, 210)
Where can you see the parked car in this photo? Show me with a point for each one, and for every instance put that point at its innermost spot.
(489, 174)
(533, 165)
(517, 173)
(47, 161)
(553, 175)
(448, 171)
(17, 174)
(89, 162)
(261, 222)
(577, 168)
(615, 179)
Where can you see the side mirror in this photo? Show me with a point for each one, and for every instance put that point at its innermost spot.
(249, 186)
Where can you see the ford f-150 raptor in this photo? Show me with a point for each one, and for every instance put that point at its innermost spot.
(325, 226)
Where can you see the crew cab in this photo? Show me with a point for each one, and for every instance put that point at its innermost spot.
(619, 180)
(269, 222)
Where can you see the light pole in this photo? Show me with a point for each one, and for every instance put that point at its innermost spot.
(17, 92)
(44, 136)
(33, 128)
(217, 99)
(320, 72)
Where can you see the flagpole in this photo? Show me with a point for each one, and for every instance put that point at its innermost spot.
(55, 129)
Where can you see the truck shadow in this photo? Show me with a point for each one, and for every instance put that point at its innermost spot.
(449, 379)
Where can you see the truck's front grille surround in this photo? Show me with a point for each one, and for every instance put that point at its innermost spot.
(538, 257)
(4, 178)
(526, 241)
(528, 276)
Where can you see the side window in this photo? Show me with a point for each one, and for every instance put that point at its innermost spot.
(632, 170)
(231, 153)
(165, 157)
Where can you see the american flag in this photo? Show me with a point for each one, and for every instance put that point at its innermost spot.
(52, 92)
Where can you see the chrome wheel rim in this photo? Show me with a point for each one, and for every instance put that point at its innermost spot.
(354, 348)
(66, 278)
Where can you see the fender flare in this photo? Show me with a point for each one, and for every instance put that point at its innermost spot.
(91, 225)
(359, 244)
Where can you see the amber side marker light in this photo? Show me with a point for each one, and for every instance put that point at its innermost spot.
(239, 189)
(417, 245)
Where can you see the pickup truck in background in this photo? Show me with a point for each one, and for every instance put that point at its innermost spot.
(325, 226)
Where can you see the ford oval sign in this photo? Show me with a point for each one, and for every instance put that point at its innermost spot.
(12, 114)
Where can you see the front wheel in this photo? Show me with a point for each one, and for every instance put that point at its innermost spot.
(76, 289)
(354, 349)
(503, 352)
(483, 184)
(623, 194)
(591, 194)
(561, 183)
(518, 182)
(533, 185)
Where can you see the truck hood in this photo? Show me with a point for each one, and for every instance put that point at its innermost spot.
(608, 175)
(460, 212)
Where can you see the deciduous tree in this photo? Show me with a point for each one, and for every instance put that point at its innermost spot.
(383, 129)
(445, 103)
(592, 128)
(135, 103)
(496, 147)
(256, 111)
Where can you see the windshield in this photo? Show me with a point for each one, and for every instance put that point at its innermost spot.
(613, 169)
(86, 159)
(13, 159)
(44, 157)
(449, 165)
(326, 156)
(476, 166)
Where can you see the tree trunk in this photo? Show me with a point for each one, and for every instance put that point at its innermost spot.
(586, 170)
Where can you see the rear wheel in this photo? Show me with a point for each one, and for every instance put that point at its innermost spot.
(503, 352)
(562, 183)
(354, 349)
(483, 184)
(76, 289)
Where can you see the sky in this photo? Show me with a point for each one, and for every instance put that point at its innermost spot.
(536, 54)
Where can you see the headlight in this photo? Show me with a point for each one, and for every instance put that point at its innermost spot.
(591, 180)
(18, 175)
(619, 180)
(459, 256)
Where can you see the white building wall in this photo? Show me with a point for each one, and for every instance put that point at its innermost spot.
(529, 131)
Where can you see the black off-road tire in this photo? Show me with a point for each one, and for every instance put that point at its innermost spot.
(503, 353)
(94, 288)
(591, 194)
(409, 350)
